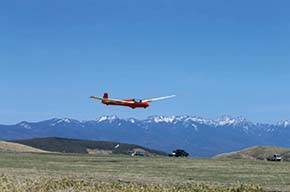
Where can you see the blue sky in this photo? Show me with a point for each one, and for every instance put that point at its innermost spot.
(218, 57)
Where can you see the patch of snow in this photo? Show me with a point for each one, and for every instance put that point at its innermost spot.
(103, 118)
(195, 127)
(107, 118)
(63, 120)
(161, 119)
(270, 130)
(284, 123)
(131, 120)
(228, 120)
(25, 125)
(183, 119)
(200, 120)
(57, 121)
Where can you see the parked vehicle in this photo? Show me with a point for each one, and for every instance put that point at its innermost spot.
(178, 153)
(275, 157)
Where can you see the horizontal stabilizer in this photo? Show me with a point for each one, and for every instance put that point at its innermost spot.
(117, 101)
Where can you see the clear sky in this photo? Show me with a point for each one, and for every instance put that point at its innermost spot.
(218, 57)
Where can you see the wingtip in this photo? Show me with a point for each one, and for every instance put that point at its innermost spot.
(172, 96)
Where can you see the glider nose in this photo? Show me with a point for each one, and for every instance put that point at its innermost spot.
(146, 105)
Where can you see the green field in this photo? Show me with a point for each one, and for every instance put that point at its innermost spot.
(19, 168)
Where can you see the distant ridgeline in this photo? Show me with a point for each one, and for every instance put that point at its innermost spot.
(64, 145)
(197, 136)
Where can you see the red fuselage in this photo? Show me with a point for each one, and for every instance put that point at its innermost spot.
(133, 105)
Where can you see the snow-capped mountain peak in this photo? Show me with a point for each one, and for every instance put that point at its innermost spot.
(199, 120)
(228, 120)
(25, 125)
(161, 119)
(284, 123)
(62, 121)
(107, 118)
(182, 119)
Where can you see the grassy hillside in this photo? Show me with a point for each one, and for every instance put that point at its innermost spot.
(258, 152)
(86, 146)
(124, 173)
(15, 147)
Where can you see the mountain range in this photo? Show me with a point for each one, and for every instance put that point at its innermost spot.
(200, 137)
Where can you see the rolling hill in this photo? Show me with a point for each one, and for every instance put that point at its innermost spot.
(15, 147)
(65, 145)
(257, 152)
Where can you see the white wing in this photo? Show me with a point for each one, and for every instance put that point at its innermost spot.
(117, 101)
(159, 98)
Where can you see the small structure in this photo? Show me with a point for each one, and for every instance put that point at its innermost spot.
(139, 152)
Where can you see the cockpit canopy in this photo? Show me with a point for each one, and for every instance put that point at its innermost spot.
(137, 100)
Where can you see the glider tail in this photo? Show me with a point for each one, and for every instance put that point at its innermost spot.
(106, 96)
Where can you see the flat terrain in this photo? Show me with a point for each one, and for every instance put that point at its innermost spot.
(272, 176)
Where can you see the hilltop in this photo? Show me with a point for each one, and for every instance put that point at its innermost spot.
(15, 147)
(257, 152)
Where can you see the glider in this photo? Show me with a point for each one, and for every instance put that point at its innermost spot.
(133, 103)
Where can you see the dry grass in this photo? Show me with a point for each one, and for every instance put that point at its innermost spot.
(15, 147)
(25, 168)
(74, 185)
(258, 152)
